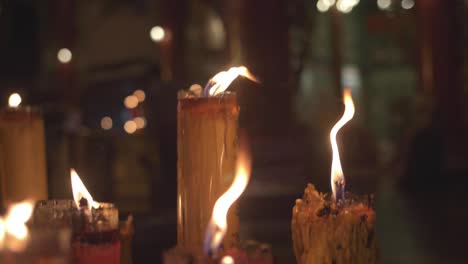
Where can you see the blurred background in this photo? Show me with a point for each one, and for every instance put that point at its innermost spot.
(106, 74)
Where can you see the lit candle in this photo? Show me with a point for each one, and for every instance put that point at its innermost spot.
(95, 225)
(22, 153)
(337, 229)
(21, 244)
(207, 147)
(218, 224)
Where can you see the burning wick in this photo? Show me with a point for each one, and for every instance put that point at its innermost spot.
(218, 224)
(80, 194)
(337, 177)
(221, 81)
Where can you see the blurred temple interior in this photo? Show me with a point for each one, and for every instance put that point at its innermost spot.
(106, 74)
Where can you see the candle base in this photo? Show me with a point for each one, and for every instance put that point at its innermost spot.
(85, 253)
(324, 233)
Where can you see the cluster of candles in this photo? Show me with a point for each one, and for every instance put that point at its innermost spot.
(84, 231)
(80, 231)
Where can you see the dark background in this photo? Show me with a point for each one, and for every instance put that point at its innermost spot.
(406, 63)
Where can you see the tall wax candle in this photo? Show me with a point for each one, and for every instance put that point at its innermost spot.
(207, 147)
(22, 155)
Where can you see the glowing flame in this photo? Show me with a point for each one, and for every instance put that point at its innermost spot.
(337, 177)
(221, 81)
(14, 225)
(80, 191)
(218, 224)
(14, 100)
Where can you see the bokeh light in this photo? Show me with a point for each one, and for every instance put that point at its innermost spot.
(322, 7)
(131, 101)
(384, 4)
(157, 34)
(140, 122)
(64, 55)
(140, 94)
(227, 260)
(14, 100)
(130, 126)
(407, 4)
(106, 123)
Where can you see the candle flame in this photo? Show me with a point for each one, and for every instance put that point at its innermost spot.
(14, 224)
(80, 191)
(218, 224)
(14, 100)
(337, 177)
(221, 81)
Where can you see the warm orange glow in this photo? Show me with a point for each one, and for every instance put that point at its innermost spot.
(2, 232)
(140, 95)
(140, 122)
(218, 223)
(221, 81)
(131, 101)
(337, 177)
(130, 126)
(15, 221)
(14, 225)
(80, 191)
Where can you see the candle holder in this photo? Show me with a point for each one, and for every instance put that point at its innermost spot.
(45, 245)
(95, 232)
(207, 148)
(22, 155)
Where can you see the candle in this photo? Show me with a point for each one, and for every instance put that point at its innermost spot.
(207, 146)
(95, 225)
(22, 153)
(216, 229)
(218, 224)
(20, 244)
(334, 228)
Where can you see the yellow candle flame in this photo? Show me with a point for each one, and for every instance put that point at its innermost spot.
(221, 81)
(218, 223)
(80, 191)
(14, 224)
(337, 177)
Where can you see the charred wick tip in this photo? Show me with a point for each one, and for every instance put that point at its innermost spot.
(83, 202)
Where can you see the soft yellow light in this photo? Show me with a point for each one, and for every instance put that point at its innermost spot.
(322, 7)
(407, 4)
(140, 122)
(130, 127)
(14, 100)
(157, 34)
(64, 55)
(79, 191)
(106, 123)
(140, 94)
(337, 177)
(384, 4)
(227, 260)
(218, 224)
(16, 219)
(131, 101)
(221, 81)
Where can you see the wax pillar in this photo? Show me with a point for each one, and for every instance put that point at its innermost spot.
(22, 155)
(207, 147)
